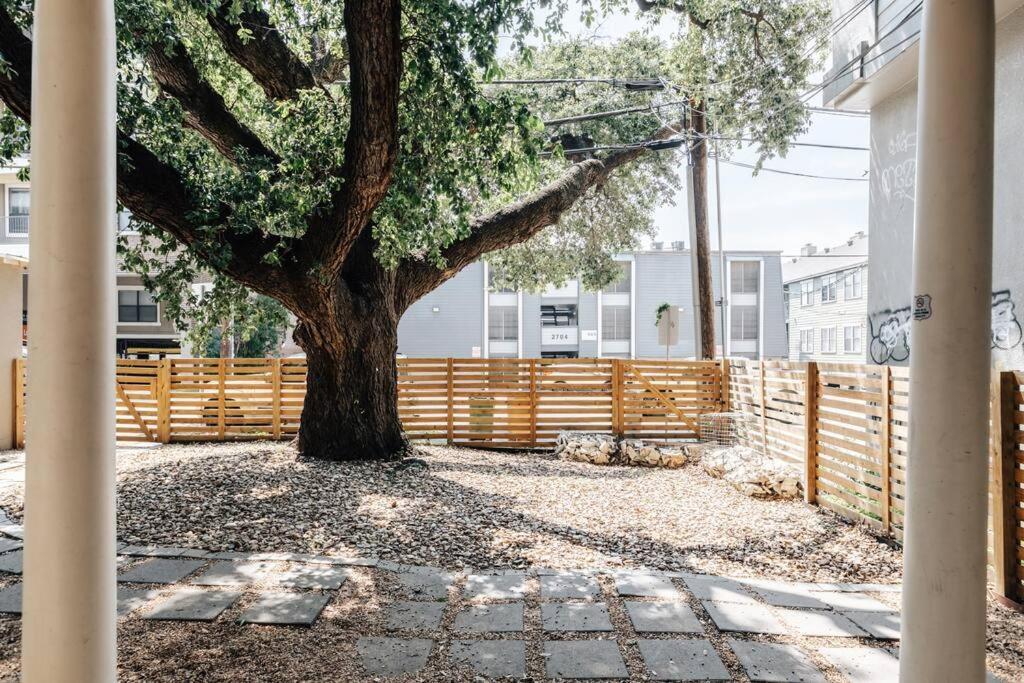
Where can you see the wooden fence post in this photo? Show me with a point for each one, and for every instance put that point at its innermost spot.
(811, 432)
(886, 448)
(533, 402)
(764, 419)
(163, 400)
(617, 386)
(221, 403)
(724, 391)
(451, 401)
(275, 378)
(18, 387)
(1004, 487)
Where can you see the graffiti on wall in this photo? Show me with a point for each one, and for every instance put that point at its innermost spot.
(899, 168)
(890, 330)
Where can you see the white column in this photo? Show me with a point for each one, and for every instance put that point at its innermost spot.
(944, 579)
(69, 595)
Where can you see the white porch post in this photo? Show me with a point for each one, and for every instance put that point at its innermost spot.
(69, 595)
(944, 579)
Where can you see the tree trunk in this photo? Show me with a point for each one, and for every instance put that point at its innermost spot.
(705, 292)
(351, 407)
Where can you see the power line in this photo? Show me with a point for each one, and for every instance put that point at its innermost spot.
(794, 173)
(612, 112)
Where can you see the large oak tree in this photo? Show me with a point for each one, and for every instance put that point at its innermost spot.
(346, 158)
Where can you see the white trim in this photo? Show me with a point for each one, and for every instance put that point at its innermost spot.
(7, 209)
(159, 335)
(135, 288)
(727, 342)
(600, 317)
(485, 335)
(632, 308)
(519, 324)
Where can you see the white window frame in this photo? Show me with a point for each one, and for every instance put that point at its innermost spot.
(809, 347)
(849, 284)
(7, 210)
(830, 280)
(822, 336)
(727, 340)
(858, 337)
(136, 288)
(807, 292)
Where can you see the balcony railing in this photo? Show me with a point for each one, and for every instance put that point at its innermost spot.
(17, 226)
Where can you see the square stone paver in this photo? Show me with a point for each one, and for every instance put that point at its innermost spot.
(171, 551)
(131, 599)
(193, 604)
(9, 544)
(775, 663)
(11, 562)
(497, 587)
(848, 602)
(562, 616)
(10, 599)
(285, 609)
(881, 625)
(491, 658)
(503, 618)
(823, 623)
(863, 664)
(316, 576)
(159, 570)
(782, 594)
(426, 584)
(583, 659)
(744, 618)
(682, 660)
(564, 586)
(663, 617)
(228, 573)
(393, 656)
(414, 616)
(717, 589)
(645, 586)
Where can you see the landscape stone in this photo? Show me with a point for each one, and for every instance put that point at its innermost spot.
(682, 660)
(562, 586)
(11, 562)
(393, 656)
(228, 573)
(491, 658)
(775, 663)
(414, 616)
(286, 609)
(497, 587)
(881, 625)
(863, 664)
(645, 586)
(319, 577)
(821, 623)
(663, 617)
(744, 618)
(500, 618)
(564, 616)
(193, 604)
(159, 570)
(131, 599)
(583, 659)
(718, 589)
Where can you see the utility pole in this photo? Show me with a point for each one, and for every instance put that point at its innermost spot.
(697, 179)
(721, 250)
(694, 256)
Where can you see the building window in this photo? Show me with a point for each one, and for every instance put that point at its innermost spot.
(807, 293)
(745, 276)
(828, 339)
(503, 323)
(743, 325)
(623, 284)
(490, 283)
(558, 315)
(851, 339)
(852, 284)
(806, 341)
(828, 288)
(136, 306)
(615, 323)
(17, 211)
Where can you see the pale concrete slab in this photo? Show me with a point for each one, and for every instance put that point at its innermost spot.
(822, 623)
(589, 617)
(414, 616)
(663, 617)
(881, 625)
(863, 664)
(228, 573)
(317, 576)
(646, 586)
(193, 604)
(393, 656)
(285, 609)
(8, 544)
(500, 618)
(131, 599)
(159, 570)
(171, 551)
(718, 589)
(782, 594)
(491, 658)
(496, 587)
(583, 659)
(10, 599)
(844, 601)
(682, 660)
(744, 618)
(568, 586)
(12, 562)
(775, 663)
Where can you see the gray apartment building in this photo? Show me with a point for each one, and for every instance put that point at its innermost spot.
(826, 302)
(874, 68)
(467, 317)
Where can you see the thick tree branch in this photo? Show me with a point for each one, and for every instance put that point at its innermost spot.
(262, 51)
(519, 221)
(205, 110)
(373, 29)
